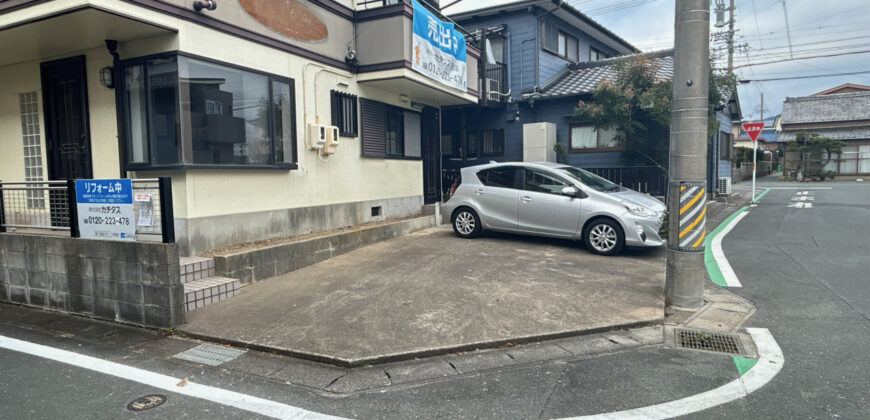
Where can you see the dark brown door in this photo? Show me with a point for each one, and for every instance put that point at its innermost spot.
(65, 99)
(431, 144)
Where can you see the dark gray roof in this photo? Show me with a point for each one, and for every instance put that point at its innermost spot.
(826, 108)
(584, 77)
(844, 133)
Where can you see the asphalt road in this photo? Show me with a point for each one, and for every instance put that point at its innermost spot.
(804, 268)
(807, 269)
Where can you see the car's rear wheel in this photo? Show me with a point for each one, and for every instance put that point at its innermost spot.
(466, 223)
(604, 237)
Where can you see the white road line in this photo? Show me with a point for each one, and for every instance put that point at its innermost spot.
(164, 382)
(719, 255)
(769, 364)
(787, 188)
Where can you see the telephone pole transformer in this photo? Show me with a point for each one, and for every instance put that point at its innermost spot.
(687, 188)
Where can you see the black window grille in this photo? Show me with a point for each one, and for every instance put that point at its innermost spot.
(344, 114)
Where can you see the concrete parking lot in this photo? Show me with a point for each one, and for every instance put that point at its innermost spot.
(430, 292)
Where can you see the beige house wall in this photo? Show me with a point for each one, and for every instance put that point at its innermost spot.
(247, 204)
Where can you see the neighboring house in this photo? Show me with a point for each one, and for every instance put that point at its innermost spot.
(526, 45)
(225, 102)
(539, 58)
(836, 115)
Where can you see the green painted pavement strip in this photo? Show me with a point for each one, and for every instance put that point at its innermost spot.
(758, 197)
(743, 364)
(713, 268)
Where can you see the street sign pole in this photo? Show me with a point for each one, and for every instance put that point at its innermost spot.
(752, 130)
(754, 151)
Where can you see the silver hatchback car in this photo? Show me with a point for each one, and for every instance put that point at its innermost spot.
(554, 200)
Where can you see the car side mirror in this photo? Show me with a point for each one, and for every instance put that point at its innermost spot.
(572, 192)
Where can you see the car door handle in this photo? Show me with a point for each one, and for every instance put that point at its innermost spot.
(525, 199)
(479, 191)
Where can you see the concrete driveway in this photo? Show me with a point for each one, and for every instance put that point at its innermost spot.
(430, 292)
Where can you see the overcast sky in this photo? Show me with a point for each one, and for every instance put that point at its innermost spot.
(818, 27)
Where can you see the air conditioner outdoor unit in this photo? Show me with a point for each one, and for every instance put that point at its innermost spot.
(316, 136)
(493, 90)
(724, 186)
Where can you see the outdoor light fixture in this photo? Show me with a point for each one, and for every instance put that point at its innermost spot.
(106, 77)
(198, 5)
(404, 98)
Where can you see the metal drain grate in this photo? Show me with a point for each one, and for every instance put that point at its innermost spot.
(709, 341)
(210, 354)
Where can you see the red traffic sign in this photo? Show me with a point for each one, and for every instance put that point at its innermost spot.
(753, 129)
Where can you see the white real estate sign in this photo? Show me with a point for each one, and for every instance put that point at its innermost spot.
(105, 209)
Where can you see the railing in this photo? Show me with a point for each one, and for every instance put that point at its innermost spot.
(495, 85)
(646, 179)
(434, 8)
(44, 207)
(34, 205)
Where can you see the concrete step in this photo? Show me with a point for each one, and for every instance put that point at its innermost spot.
(198, 293)
(195, 268)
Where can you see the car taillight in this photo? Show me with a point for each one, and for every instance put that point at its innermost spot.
(452, 189)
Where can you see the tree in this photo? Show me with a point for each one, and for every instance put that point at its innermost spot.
(814, 153)
(637, 105)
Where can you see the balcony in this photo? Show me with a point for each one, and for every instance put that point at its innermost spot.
(384, 52)
(495, 86)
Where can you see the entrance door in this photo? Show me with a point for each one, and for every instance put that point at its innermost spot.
(65, 102)
(430, 141)
(67, 136)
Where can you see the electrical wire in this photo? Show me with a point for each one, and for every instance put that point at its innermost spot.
(809, 76)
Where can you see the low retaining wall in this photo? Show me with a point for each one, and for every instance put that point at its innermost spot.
(131, 282)
(262, 263)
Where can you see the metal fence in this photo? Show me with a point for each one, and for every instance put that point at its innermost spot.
(646, 179)
(45, 207)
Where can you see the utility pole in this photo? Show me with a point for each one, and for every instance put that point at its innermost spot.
(730, 37)
(687, 185)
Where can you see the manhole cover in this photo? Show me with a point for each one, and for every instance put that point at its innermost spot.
(147, 402)
(709, 341)
(210, 354)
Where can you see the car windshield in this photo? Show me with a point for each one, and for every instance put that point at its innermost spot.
(589, 179)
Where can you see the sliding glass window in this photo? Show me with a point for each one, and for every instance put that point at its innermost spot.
(183, 111)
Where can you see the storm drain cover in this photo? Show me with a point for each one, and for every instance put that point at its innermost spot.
(709, 341)
(147, 402)
(210, 354)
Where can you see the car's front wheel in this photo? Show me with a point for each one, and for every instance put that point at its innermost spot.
(466, 223)
(604, 237)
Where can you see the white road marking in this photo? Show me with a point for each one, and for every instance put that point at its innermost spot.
(794, 188)
(719, 255)
(164, 382)
(769, 364)
(801, 205)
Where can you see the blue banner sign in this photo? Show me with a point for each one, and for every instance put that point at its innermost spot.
(105, 209)
(438, 49)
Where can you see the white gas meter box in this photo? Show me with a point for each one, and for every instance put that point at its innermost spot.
(331, 142)
(316, 136)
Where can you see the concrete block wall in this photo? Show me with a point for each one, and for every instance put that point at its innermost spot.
(131, 282)
(262, 263)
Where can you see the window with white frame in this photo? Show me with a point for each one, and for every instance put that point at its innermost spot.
(595, 55)
(586, 137)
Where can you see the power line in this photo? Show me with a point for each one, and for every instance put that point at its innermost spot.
(810, 76)
(803, 58)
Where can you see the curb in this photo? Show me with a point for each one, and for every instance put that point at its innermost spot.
(411, 355)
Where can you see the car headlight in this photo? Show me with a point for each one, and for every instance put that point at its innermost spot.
(637, 210)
